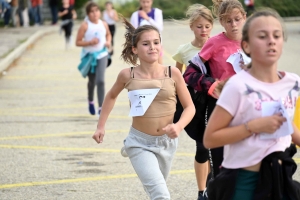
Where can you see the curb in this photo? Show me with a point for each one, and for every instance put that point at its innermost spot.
(6, 62)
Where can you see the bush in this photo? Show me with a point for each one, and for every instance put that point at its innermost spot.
(176, 8)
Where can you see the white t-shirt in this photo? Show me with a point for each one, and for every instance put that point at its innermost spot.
(242, 97)
(108, 19)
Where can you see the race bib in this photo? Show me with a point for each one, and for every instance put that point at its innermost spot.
(237, 60)
(140, 100)
(271, 108)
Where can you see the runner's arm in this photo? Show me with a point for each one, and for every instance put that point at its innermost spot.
(80, 35)
(108, 34)
(179, 66)
(296, 135)
(196, 79)
(111, 96)
(184, 98)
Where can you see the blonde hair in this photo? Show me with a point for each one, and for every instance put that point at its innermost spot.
(222, 8)
(198, 10)
(132, 37)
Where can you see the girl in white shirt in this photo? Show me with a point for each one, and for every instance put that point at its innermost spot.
(110, 16)
(94, 38)
(147, 15)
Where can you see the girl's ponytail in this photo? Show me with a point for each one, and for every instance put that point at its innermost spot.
(127, 55)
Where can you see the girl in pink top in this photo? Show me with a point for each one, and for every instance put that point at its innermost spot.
(216, 51)
(253, 120)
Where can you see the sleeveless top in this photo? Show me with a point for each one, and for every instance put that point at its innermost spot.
(164, 103)
(142, 21)
(108, 19)
(99, 31)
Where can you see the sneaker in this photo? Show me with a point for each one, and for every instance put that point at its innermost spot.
(205, 196)
(98, 113)
(123, 152)
(92, 108)
(201, 197)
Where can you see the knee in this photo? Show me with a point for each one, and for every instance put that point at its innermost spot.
(202, 153)
(100, 82)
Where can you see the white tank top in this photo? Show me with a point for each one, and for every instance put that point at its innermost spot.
(108, 19)
(95, 30)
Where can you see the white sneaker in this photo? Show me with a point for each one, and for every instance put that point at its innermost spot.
(123, 152)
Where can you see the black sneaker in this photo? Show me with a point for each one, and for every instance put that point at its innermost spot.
(201, 197)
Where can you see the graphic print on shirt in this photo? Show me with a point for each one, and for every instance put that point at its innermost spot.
(288, 101)
(268, 107)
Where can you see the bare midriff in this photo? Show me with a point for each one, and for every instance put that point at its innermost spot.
(256, 168)
(253, 168)
(152, 125)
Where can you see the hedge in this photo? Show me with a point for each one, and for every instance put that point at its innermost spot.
(176, 8)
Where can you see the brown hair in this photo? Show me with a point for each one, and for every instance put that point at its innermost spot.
(89, 5)
(265, 12)
(222, 8)
(132, 36)
(197, 10)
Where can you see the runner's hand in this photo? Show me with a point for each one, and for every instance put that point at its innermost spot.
(107, 44)
(65, 12)
(172, 130)
(94, 41)
(268, 124)
(98, 135)
(143, 14)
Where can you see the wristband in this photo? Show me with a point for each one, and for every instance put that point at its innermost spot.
(212, 88)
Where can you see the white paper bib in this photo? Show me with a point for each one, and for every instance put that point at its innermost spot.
(237, 59)
(140, 100)
(271, 108)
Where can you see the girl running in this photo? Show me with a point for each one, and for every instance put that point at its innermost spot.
(216, 52)
(147, 15)
(94, 36)
(110, 16)
(67, 14)
(153, 137)
(201, 22)
(253, 120)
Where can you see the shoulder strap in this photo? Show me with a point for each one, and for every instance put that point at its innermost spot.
(170, 74)
(131, 72)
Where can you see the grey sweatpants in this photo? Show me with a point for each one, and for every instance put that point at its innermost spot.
(97, 79)
(151, 158)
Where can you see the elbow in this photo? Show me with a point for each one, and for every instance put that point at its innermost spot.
(208, 141)
(207, 144)
(193, 110)
(77, 44)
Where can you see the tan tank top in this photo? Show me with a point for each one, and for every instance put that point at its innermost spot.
(165, 101)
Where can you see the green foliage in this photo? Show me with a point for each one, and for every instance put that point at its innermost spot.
(286, 8)
(175, 9)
